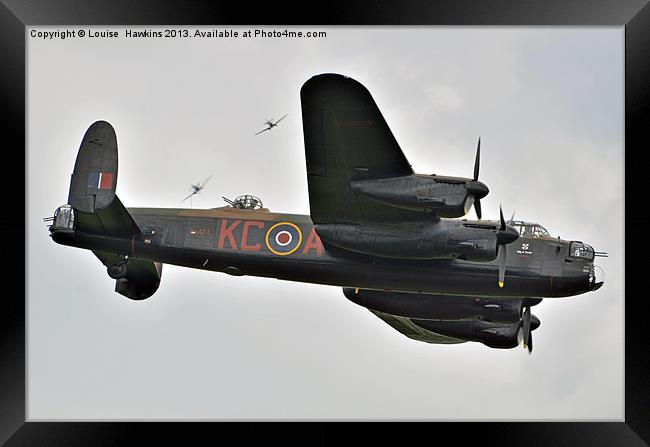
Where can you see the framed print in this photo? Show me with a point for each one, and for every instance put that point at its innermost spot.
(557, 96)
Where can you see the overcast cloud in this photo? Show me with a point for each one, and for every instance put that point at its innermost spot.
(548, 106)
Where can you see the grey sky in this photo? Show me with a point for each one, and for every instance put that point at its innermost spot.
(548, 105)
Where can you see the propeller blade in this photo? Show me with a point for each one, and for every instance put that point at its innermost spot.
(477, 208)
(477, 162)
(503, 222)
(512, 218)
(530, 343)
(501, 255)
(526, 325)
(505, 235)
(469, 202)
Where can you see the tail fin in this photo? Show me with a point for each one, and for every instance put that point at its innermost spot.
(98, 211)
(92, 188)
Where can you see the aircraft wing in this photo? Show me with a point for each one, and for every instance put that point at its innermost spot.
(347, 139)
(268, 128)
(406, 327)
(188, 197)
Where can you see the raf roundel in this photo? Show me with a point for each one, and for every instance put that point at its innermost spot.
(283, 238)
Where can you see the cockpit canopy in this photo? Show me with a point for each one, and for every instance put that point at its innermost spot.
(529, 229)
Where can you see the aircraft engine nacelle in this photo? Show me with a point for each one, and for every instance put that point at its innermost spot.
(494, 335)
(402, 241)
(439, 307)
(444, 196)
(439, 240)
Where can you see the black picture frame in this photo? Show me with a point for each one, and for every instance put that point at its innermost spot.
(633, 14)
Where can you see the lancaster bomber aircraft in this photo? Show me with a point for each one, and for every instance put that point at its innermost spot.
(390, 238)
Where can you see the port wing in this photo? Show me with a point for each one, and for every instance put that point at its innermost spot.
(408, 328)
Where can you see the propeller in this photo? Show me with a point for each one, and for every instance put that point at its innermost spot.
(477, 162)
(527, 325)
(475, 188)
(505, 235)
(501, 251)
(477, 208)
(526, 321)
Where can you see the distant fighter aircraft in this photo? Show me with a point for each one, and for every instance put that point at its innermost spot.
(387, 236)
(196, 189)
(271, 124)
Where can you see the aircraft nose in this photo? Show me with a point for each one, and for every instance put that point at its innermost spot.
(596, 277)
(478, 189)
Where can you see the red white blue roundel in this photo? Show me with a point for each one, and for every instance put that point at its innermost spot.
(283, 238)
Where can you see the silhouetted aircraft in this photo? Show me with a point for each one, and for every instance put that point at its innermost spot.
(271, 124)
(383, 233)
(196, 189)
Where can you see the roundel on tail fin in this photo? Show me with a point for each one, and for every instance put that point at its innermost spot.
(94, 179)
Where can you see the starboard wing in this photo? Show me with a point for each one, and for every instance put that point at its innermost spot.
(347, 139)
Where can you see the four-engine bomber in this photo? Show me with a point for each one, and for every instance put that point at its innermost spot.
(376, 229)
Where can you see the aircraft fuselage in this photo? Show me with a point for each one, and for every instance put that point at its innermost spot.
(286, 246)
